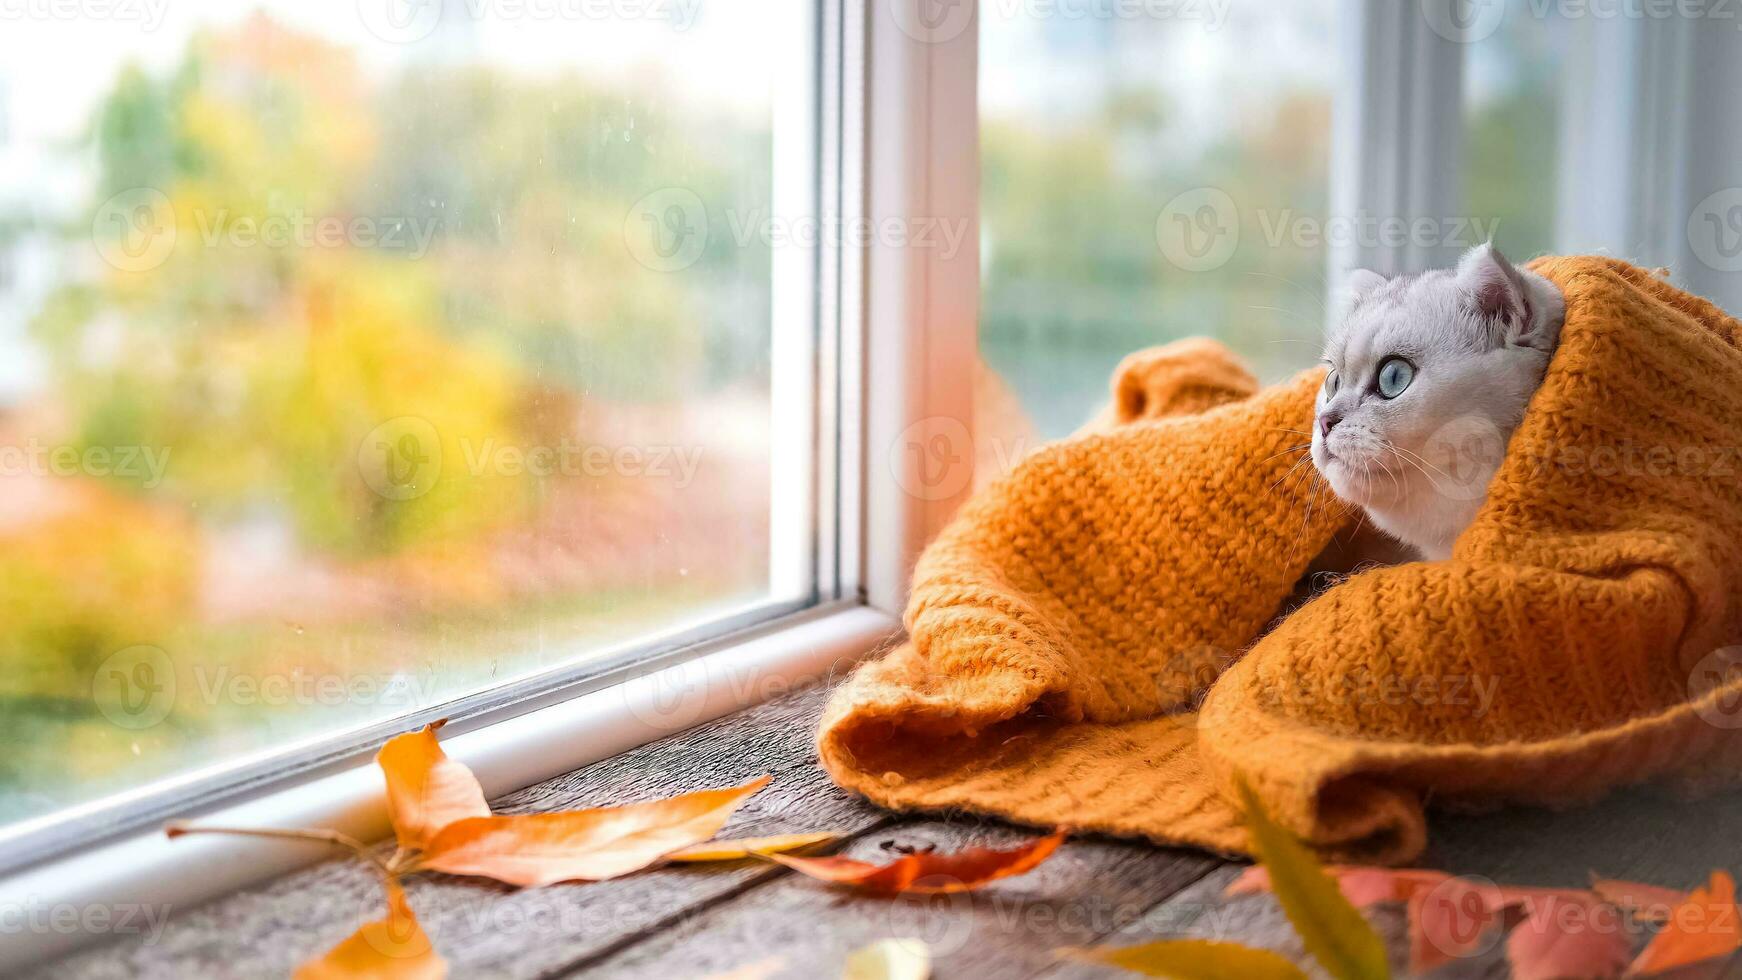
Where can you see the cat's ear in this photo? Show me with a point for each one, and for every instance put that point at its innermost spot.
(1357, 286)
(1497, 293)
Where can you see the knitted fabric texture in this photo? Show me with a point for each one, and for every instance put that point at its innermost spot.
(1091, 640)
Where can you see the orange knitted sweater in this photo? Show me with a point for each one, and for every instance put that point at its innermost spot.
(1088, 638)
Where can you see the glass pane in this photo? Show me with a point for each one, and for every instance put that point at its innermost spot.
(354, 357)
(1145, 179)
(1512, 80)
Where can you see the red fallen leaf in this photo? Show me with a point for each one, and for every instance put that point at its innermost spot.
(1552, 932)
(928, 873)
(1702, 926)
(1566, 934)
(1648, 903)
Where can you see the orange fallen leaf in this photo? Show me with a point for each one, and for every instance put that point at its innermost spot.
(1648, 903)
(733, 850)
(426, 790)
(391, 948)
(1701, 927)
(533, 849)
(928, 873)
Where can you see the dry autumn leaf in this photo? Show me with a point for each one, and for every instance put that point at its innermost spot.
(1703, 926)
(426, 790)
(733, 850)
(1194, 959)
(1548, 932)
(581, 845)
(1333, 931)
(390, 948)
(889, 959)
(928, 873)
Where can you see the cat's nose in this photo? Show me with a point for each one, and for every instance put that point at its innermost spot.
(1328, 420)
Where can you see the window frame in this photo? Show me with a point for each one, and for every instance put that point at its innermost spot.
(905, 338)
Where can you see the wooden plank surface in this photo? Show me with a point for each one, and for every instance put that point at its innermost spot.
(486, 930)
(803, 928)
(700, 921)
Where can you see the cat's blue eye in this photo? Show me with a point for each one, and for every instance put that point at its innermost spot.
(1395, 374)
(1330, 384)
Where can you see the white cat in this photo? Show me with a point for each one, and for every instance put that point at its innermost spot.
(1429, 376)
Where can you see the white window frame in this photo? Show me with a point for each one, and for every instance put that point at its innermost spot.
(904, 350)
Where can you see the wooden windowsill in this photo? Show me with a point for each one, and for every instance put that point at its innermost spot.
(700, 921)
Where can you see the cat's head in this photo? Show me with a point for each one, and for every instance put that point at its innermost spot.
(1429, 374)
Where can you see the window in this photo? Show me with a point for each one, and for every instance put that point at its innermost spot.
(1147, 178)
(356, 359)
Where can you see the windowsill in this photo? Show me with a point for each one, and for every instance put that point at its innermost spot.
(149, 871)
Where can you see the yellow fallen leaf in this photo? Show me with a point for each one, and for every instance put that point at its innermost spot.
(1332, 930)
(732, 850)
(392, 948)
(426, 790)
(1193, 959)
(581, 845)
(889, 959)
